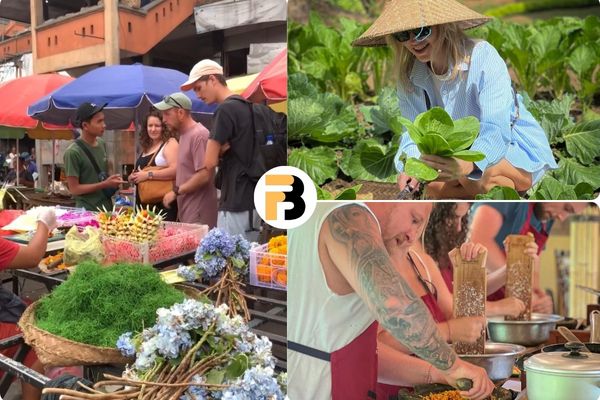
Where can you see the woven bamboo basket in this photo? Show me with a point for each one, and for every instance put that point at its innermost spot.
(54, 351)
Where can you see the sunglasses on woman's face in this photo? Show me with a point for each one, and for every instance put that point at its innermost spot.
(420, 34)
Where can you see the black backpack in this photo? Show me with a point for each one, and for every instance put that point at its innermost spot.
(269, 148)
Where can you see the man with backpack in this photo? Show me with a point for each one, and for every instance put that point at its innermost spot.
(245, 142)
(86, 163)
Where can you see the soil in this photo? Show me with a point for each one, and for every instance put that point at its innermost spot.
(368, 191)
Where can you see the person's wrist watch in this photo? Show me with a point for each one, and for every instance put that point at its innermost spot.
(176, 190)
(150, 175)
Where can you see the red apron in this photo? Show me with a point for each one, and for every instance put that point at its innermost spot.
(447, 272)
(390, 392)
(540, 239)
(353, 367)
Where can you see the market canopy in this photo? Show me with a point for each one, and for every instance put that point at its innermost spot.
(238, 84)
(16, 95)
(271, 83)
(129, 90)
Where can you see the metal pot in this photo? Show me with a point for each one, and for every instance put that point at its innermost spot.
(498, 359)
(563, 375)
(526, 333)
(593, 347)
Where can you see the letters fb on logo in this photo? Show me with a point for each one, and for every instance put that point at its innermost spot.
(285, 197)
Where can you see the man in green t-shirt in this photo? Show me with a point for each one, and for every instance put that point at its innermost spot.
(90, 190)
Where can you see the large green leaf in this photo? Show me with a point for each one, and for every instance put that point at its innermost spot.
(432, 143)
(304, 118)
(551, 189)
(387, 112)
(435, 120)
(554, 117)
(335, 130)
(300, 86)
(369, 160)
(323, 194)
(237, 366)
(464, 134)
(319, 163)
(572, 173)
(414, 131)
(215, 376)
(349, 194)
(499, 193)
(322, 117)
(418, 169)
(584, 191)
(469, 155)
(583, 59)
(583, 141)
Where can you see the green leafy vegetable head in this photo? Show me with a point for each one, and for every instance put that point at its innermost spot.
(435, 133)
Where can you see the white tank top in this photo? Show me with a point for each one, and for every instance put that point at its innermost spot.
(160, 159)
(317, 317)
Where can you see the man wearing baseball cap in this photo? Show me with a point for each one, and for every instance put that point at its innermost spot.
(86, 163)
(231, 140)
(194, 190)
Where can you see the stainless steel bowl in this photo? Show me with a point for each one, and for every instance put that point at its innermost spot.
(498, 359)
(526, 333)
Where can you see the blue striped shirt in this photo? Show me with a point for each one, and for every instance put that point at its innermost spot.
(482, 89)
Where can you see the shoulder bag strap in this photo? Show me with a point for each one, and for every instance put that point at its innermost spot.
(89, 156)
(155, 154)
(251, 105)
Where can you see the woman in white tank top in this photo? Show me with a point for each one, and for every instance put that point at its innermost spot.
(159, 149)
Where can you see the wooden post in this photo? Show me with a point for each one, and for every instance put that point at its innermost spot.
(470, 292)
(519, 273)
(111, 33)
(37, 18)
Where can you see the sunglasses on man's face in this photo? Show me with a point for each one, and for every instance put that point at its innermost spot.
(420, 34)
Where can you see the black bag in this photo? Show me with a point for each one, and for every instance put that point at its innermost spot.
(11, 307)
(269, 148)
(102, 175)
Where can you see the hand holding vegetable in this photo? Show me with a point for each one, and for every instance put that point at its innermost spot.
(444, 145)
(482, 385)
(448, 168)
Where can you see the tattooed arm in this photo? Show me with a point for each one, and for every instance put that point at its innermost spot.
(354, 244)
(356, 247)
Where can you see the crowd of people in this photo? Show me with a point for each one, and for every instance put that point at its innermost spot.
(373, 290)
(22, 165)
(179, 157)
(176, 151)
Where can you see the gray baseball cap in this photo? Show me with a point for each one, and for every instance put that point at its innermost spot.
(174, 100)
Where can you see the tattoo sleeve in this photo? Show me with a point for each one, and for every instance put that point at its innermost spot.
(388, 296)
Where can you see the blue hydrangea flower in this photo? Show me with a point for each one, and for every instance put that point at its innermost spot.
(187, 272)
(257, 384)
(216, 242)
(175, 332)
(196, 392)
(125, 345)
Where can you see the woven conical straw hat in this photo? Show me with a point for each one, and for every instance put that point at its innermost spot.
(402, 15)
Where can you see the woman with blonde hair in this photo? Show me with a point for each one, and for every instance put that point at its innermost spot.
(159, 148)
(437, 65)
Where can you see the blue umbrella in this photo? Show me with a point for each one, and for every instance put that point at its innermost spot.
(129, 91)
